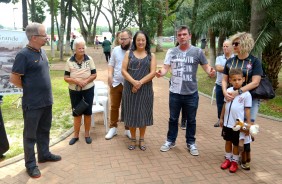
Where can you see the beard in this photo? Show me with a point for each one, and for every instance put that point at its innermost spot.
(125, 47)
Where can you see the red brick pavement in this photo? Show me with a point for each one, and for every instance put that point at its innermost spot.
(109, 161)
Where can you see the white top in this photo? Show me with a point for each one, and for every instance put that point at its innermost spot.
(247, 138)
(236, 108)
(220, 60)
(116, 62)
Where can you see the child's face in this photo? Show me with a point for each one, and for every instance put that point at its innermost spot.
(236, 81)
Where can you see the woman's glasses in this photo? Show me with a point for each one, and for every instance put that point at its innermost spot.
(235, 44)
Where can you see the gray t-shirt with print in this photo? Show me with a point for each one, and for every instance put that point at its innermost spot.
(184, 66)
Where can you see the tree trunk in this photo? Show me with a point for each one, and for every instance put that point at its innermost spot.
(52, 28)
(25, 18)
(272, 61)
(62, 30)
(194, 17)
(160, 27)
(220, 44)
(67, 47)
(140, 16)
(32, 11)
(59, 35)
(212, 52)
(257, 18)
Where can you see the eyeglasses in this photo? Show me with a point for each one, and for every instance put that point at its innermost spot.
(44, 36)
(235, 44)
(123, 39)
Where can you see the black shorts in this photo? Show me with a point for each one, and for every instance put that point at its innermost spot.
(247, 147)
(76, 97)
(229, 134)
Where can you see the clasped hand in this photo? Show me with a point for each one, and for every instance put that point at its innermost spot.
(136, 86)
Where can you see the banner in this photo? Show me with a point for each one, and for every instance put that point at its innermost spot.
(11, 42)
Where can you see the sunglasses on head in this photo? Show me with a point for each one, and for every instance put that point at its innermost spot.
(235, 44)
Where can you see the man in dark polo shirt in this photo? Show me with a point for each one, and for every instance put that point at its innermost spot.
(31, 72)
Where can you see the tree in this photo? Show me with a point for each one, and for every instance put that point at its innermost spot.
(69, 26)
(37, 13)
(25, 17)
(121, 14)
(216, 15)
(62, 30)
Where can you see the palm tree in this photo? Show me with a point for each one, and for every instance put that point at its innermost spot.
(228, 17)
(268, 36)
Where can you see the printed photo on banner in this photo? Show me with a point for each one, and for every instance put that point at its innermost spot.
(11, 43)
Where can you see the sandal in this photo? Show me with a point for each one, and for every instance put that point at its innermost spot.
(132, 145)
(142, 145)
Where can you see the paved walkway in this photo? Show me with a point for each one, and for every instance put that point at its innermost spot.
(109, 161)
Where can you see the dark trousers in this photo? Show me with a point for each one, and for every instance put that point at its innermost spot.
(108, 55)
(219, 99)
(189, 104)
(4, 143)
(37, 124)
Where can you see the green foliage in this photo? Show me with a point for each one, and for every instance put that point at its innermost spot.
(39, 15)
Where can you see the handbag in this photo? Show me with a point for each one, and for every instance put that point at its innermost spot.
(81, 107)
(264, 89)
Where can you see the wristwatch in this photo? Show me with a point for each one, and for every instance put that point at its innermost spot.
(240, 91)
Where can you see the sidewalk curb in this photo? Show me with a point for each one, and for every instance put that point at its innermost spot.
(21, 156)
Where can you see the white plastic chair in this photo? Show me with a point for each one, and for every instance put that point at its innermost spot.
(97, 108)
(103, 88)
(213, 91)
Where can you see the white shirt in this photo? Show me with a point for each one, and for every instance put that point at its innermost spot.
(236, 109)
(220, 60)
(116, 62)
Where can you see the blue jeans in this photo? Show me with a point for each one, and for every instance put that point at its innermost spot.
(219, 99)
(189, 104)
(254, 109)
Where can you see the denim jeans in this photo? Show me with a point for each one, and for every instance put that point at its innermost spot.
(255, 109)
(189, 104)
(219, 99)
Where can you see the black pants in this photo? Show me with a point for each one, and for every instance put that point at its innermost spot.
(108, 56)
(4, 144)
(37, 125)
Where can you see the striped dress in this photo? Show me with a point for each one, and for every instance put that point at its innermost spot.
(137, 108)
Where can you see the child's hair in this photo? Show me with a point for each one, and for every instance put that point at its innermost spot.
(235, 71)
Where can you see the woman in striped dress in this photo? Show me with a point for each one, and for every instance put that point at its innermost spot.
(138, 70)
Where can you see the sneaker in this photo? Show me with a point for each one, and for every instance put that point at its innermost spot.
(51, 158)
(193, 149)
(33, 172)
(127, 133)
(226, 164)
(216, 124)
(167, 146)
(183, 125)
(246, 166)
(111, 133)
(233, 167)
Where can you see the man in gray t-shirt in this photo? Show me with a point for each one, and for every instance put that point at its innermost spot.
(183, 62)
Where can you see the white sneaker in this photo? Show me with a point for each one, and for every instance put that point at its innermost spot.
(167, 146)
(111, 133)
(193, 149)
(127, 133)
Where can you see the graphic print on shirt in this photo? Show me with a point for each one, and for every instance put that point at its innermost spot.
(181, 66)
